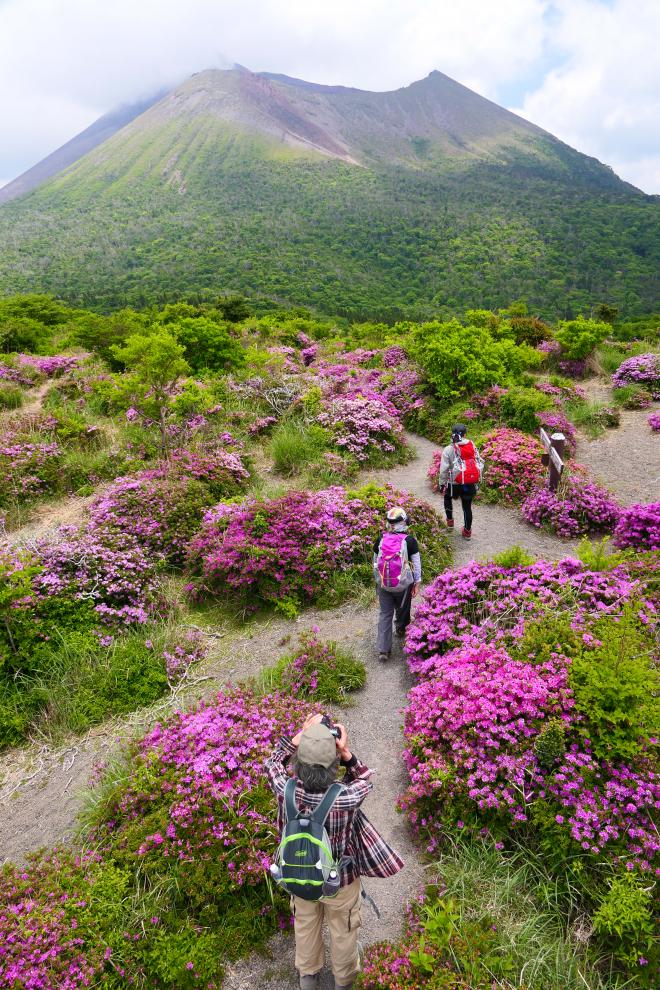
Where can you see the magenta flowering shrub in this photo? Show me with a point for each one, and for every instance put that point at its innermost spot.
(27, 469)
(471, 726)
(494, 735)
(433, 472)
(638, 527)
(513, 464)
(159, 511)
(578, 506)
(180, 657)
(206, 801)
(654, 421)
(362, 426)
(644, 369)
(261, 425)
(283, 547)
(52, 366)
(110, 571)
(488, 603)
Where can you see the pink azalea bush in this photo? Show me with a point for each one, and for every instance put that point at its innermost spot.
(288, 550)
(362, 426)
(654, 422)
(638, 527)
(513, 464)
(579, 506)
(27, 469)
(110, 572)
(52, 366)
(486, 713)
(644, 369)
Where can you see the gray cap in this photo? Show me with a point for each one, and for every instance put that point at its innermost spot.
(317, 746)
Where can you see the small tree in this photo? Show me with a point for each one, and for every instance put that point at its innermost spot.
(155, 364)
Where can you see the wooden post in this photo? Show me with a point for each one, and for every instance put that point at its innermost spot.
(557, 443)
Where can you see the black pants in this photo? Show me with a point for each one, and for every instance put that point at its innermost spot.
(466, 493)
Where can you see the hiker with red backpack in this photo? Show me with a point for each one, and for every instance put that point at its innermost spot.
(461, 468)
(398, 574)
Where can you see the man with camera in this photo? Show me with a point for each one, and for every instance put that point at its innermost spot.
(304, 773)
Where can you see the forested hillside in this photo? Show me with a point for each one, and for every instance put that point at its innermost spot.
(368, 205)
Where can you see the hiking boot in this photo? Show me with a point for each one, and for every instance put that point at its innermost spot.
(450, 524)
(383, 657)
(310, 982)
(466, 534)
(400, 631)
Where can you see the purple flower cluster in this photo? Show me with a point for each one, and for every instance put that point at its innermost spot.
(557, 422)
(654, 421)
(362, 425)
(283, 546)
(261, 425)
(204, 767)
(27, 469)
(641, 370)
(579, 506)
(513, 463)
(114, 574)
(480, 706)
(639, 527)
(53, 366)
(181, 657)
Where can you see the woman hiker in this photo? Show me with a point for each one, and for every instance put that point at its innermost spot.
(460, 473)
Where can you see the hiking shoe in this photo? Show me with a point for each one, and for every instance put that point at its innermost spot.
(309, 982)
(383, 657)
(450, 523)
(466, 534)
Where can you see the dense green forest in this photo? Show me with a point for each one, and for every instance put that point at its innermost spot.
(361, 243)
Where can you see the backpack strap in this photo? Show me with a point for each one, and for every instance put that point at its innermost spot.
(320, 813)
(290, 806)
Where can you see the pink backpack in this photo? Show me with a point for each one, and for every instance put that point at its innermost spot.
(393, 570)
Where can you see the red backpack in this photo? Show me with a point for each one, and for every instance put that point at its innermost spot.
(469, 464)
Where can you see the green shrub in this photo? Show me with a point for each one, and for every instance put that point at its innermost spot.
(579, 338)
(632, 397)
(615, 686)
(513, 557)
(87, 683)
(520, 407)
(592, 416)
(625, 921)
(461, 360)
(316, 670)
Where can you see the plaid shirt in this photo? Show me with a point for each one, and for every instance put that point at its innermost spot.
(350, 832)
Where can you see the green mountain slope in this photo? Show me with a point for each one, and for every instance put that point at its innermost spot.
(426, 199)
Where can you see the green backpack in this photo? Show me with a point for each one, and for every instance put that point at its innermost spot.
(305, 864)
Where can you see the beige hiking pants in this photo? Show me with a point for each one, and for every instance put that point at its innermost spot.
(343, 915)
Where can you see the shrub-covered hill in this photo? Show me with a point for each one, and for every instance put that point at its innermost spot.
(371, 205)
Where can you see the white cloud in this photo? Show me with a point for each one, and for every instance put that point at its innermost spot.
(604, 99)
(65, 62)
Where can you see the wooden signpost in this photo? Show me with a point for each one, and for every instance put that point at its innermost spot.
(554, 448)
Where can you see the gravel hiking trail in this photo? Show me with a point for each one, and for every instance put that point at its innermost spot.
(42, 787)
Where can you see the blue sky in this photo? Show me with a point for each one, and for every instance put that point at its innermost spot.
(586, 70)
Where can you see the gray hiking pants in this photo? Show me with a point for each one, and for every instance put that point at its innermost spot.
(392, 606)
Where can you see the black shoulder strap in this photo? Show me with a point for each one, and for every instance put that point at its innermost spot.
(290, 806)
(320, 813)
